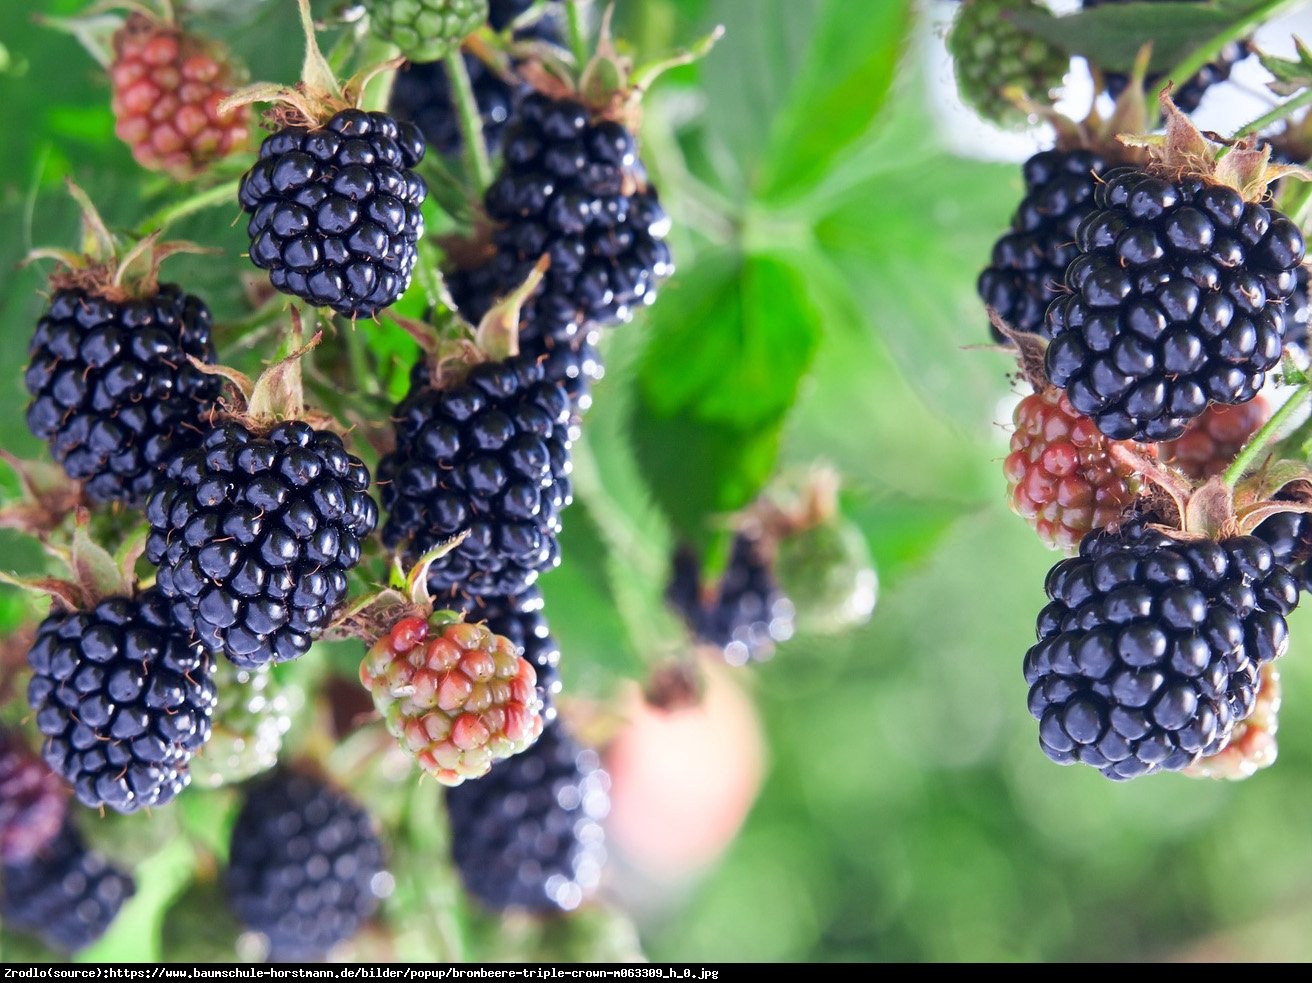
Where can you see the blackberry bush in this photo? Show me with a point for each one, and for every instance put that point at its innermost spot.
(1150, 648)
(305, 866)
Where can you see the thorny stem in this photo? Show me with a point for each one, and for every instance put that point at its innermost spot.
(1200, 56)
(210, 197)
(471, 122)
(1267, 436)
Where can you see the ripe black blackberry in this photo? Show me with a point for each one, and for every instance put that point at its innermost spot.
(1149, 651)
(33, 802)
(334, 210)
(571, 187)
(528, 835)
(254, 531)
(124, 700)
(67, 895)
(521, 619)
(1176, 299)
(502, 13)
(1297, 314)
(744, 614)
(1029, 261)
(1289, 534)
(305, 866)
(487, 453)
(1189, 94)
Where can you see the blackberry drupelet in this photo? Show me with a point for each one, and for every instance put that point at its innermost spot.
(113, 390)
(33, 802)
(1289, 534)
(1149, 651)
(124, 700)
(335, 213)
(67, 895)
(254, 532)
(1177, 299)
(522, 620)
(1297, 313)
(572, 188)
(305, 866)
(1029, 262)
(489, 454)
(529, 834)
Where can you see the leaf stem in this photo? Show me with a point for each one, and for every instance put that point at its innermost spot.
(1188, 67)
(217, 195)
(471, 122)
(1267, 436)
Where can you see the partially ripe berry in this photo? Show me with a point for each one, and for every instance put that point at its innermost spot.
(1212, 441)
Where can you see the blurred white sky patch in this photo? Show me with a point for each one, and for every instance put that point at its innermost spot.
(1225, 107)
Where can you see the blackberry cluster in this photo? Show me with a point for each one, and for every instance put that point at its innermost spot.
(33, 802)
(1149, 651)
(746, 613)
(335, 213)
(1176, 299)
(124, 699)
(113, 390)
(529, 835)
(522, 620)
(67, 895)
(305, 866)
(491, 455)
(1030, 261)
(1189, 94)
(254, 533)
(573, 189)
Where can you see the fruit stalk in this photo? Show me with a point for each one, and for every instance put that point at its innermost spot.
(1267, 436)
(471, 122)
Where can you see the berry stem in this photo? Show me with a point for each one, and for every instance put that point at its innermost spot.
(471, 122)
(1275, 114)
(217, 195)
(1267, 436)
(1240, 29)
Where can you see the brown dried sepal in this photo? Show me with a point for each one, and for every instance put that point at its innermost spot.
(49, 497)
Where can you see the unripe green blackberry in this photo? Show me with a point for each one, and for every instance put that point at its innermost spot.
(425, 30)
(253, 714)
(828, 574)
(991, 56)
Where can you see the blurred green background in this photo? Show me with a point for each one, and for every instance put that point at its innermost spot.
(823, 310)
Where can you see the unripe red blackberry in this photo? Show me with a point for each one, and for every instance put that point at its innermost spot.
(124, 699)
(167, 89)
(66, 895)
(1212, 441)
(1253, 746)
(254, 531)
(456, 696)
(335, 210)
(1061, 477)
(528, 835)
(487, 453)
(305, 866)
(33, 802)
(522, 621)
(114, 392)
(1029, 262)
(1149, 650)
(1177, 299)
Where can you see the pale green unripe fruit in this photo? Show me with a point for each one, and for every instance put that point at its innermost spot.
(426, 30)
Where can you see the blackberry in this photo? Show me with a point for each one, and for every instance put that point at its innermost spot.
(529, 834)
(334, 210)
(1029, 262)
(305, 866)
(572, 188)
(425, 30)
(124, 699)
(113, 390)
(502, 13)
(1214, 439)
(33, 802)
(491, 455)
(1176, 299)
(1297, 313)
(254, 533)
(745, 614)
(1149, 651)
(1289, 534)
(1189, 94)
(67, 895)
(521, 619)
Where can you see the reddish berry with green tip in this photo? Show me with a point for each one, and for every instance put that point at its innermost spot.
(1213, 440)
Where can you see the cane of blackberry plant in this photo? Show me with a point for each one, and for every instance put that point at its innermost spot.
(1177, 298)
(334, 204)
(305, 866)
(114, 390)
(255, 529)
(992, 56)
(122, 696)
(67, 895)
(33, 801)
(529, 835)
(426, 30)
(1150, 648)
